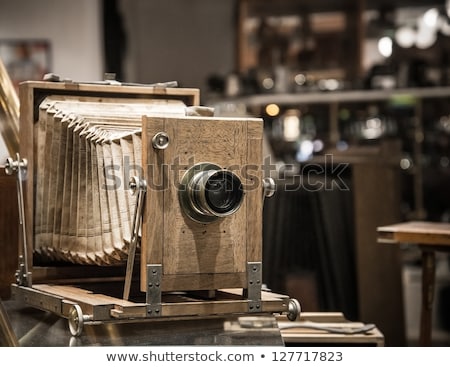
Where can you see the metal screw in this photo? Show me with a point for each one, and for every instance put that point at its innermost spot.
(160, 140)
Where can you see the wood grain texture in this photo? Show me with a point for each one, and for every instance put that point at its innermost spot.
(152, 224)
(209, 254)
(191, 247)
(254, 177)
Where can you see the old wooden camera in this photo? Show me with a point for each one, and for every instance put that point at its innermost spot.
(139, 204)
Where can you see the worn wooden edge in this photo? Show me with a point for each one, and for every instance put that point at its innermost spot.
(192, 95)
(38, 299)
(418, 227)
(152, 224)
(201, 308)
(60, 299)
(420, 238)
(254, 195)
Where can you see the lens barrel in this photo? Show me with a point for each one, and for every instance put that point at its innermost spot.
(208, 192)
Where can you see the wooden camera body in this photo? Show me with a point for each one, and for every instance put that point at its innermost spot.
(190, 215)
(207, 252)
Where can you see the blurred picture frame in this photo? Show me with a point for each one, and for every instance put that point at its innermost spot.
(25, 59)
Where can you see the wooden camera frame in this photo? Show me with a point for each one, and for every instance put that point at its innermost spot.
(189, 267)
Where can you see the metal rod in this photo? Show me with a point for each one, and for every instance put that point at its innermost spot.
(136, 226)
(21, 166)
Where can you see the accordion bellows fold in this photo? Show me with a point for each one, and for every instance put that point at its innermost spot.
(88, 148)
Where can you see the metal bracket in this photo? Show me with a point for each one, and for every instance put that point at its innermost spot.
(23, 277)
(19, 166)
(153, 299)
(139, 187)
(254, 284)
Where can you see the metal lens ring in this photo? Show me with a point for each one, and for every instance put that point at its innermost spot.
(208, 192)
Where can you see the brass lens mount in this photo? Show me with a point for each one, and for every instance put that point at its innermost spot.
(208, 192)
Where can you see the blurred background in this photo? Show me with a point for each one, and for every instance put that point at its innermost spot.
(355, 99)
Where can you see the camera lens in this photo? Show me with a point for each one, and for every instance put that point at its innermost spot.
(223, 192)
(208, 192)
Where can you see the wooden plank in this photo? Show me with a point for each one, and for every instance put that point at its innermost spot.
(319, 317)
(227, 301)
(81, 295)
(153, 220)
(416, 232)
(36, 298)
(254, 192)
(191, 96)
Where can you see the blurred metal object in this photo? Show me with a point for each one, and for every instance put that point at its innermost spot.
(9, 112)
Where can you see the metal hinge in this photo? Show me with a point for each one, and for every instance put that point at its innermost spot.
(153, 299)
(138, 187)
(254, 284)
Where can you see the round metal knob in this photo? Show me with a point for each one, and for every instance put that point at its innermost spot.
(294, 309)
(76, 320)
(10, 166)
(270, 187)
(136, 184)
(160, 140)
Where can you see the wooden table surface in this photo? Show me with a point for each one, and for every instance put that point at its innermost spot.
(423, 233)
(430, 237)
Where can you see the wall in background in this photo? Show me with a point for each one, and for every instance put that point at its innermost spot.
(73, 28)
(180, 40)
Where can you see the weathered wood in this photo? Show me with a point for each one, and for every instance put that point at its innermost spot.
(152, 223)
(214, 251)
(254, 177)
(100, 307)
